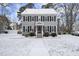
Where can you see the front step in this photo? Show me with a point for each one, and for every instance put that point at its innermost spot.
(39, 36)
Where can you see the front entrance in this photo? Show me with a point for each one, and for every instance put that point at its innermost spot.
(39, 29)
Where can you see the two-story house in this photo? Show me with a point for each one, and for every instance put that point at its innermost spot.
(39, 21)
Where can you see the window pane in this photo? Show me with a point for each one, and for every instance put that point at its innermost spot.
(30, 18)
(26, 18)
(54, 18)
(23, 28)
(23, 18)
(28, 28)
(50, 18)
(41, 18)
(37, 18)
(54, 28)
(50, 28)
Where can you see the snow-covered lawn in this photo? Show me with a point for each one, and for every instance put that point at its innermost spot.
(15, 44)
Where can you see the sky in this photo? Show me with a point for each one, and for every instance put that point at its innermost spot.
(13, 8)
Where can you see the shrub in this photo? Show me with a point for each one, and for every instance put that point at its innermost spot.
(32, 34)
(59, 33)
(23, 35)
(76, 34)
(53, 34)
(26, 35)
(64, 33)
(72, 34)
(9, 28)
(46, 34)
(6, 32)
(19, 32)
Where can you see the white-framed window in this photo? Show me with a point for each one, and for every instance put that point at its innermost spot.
(50, 28)
(28, 28)
(54, 28)
(30, 18)
(23, 28)
(48, 18)
(37, 18)
(26, 18)
(41, 18)
(23, 18)
(52, 18)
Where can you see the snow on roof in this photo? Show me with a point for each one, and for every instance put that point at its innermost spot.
(39, 11)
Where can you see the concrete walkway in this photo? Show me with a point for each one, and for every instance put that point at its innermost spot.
(38, 48)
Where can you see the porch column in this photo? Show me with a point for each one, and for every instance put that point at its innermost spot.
(42, 31)
(56, 30)
(36, 31)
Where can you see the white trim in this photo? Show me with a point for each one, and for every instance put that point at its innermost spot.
(39, 11)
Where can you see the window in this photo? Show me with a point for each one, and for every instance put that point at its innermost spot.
(30, 18)
(33, 18)
(23, 18)
(23, 28)
(54, 28)
(41, 18)
(50, 18)
(37, 18)
(50, 28)
(26, 18)
(28, 28)
(54, 18)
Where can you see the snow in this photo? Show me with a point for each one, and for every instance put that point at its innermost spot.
(13, 44)
(39, 11)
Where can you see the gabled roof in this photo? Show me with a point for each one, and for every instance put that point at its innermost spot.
(39, 11)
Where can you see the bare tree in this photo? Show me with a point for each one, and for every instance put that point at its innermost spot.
(70, 17)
